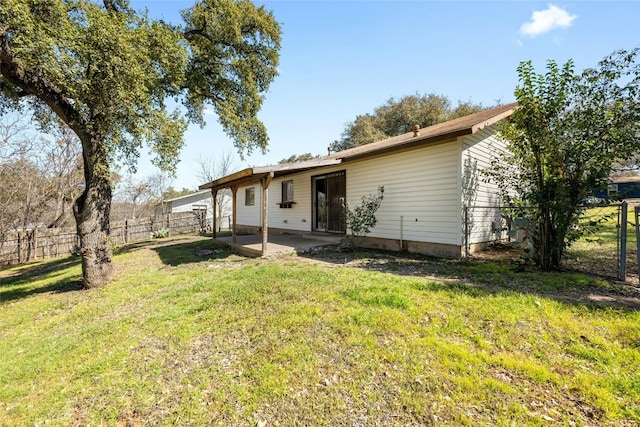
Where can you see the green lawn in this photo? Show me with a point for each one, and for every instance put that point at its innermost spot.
(596, 250)
(183, 339)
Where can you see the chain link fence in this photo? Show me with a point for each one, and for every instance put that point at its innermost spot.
(607, 245)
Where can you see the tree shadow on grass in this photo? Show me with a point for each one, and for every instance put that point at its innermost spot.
(478, 277)
(155, 243)
(9, 274)
(18, 283)
(175, 254)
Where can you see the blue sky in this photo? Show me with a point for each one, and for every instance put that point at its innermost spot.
(344, 58)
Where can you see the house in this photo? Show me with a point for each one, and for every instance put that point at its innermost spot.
(435, 200)
(201, 204)
(619, 188)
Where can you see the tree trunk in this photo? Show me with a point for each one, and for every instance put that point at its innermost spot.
(92, 210)
(548, 242)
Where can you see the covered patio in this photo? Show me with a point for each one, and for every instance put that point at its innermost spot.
(264, 244)
(251, 245)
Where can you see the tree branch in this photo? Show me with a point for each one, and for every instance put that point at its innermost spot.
(33, 82)
(111, 6)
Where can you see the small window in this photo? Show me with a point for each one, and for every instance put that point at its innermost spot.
(250, 196)
(287, 195)
(287, 191)
(612, 189)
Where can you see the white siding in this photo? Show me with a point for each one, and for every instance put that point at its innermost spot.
(482, 197)
(423, 191)
(249, 215)
(298, 216)
(193, 201)
(420, 193)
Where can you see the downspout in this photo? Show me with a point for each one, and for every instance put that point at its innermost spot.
(466, 231)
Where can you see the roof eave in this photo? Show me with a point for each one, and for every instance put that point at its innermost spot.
(220, 182)
(250, 175)
(491, 121)
(411, 143)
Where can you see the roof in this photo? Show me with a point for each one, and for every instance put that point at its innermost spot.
(254, 174)
(466, 125)
(173, 199)
(624, 179)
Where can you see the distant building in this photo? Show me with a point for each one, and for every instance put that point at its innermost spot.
(620, 187)
(200, 203)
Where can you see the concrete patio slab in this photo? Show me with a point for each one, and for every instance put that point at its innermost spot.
(251, 245)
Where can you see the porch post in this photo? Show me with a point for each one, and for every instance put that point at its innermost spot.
(234, 209)
(265, 211)
(214, 196)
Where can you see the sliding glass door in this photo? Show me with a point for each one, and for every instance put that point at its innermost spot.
(329, 192)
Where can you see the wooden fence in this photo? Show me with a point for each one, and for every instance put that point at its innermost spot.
(42, 243)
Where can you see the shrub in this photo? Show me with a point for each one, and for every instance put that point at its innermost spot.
(361, 219)
(158, 234)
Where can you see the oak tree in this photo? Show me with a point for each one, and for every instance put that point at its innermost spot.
(110, 73)
(296, 158)
(398, 116)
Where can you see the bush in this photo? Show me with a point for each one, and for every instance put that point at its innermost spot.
(361, 219)
(158, 234)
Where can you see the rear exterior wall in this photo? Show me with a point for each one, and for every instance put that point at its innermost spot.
(421, 197)
(479, 194)
(420, 193)
(425, 190)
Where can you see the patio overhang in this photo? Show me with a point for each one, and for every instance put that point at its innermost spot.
(262, 175)
(253, 175)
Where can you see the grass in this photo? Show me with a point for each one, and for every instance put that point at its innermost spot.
(179, 338)
(596, 250)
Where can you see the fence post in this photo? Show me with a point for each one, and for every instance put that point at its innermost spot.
(636, 210)
(35, 244)
(20, 247)
(28, 245)
(622, 274)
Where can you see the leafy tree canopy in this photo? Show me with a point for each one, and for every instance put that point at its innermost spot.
(567, 133)
(115, 68)
(298, 158)
(108, 72)
(398, 116)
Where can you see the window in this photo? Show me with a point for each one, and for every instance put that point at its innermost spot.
(287, 195)
(612, 189)
(250, 196)
(287, 191)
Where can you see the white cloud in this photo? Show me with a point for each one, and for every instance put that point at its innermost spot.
(543, 21)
